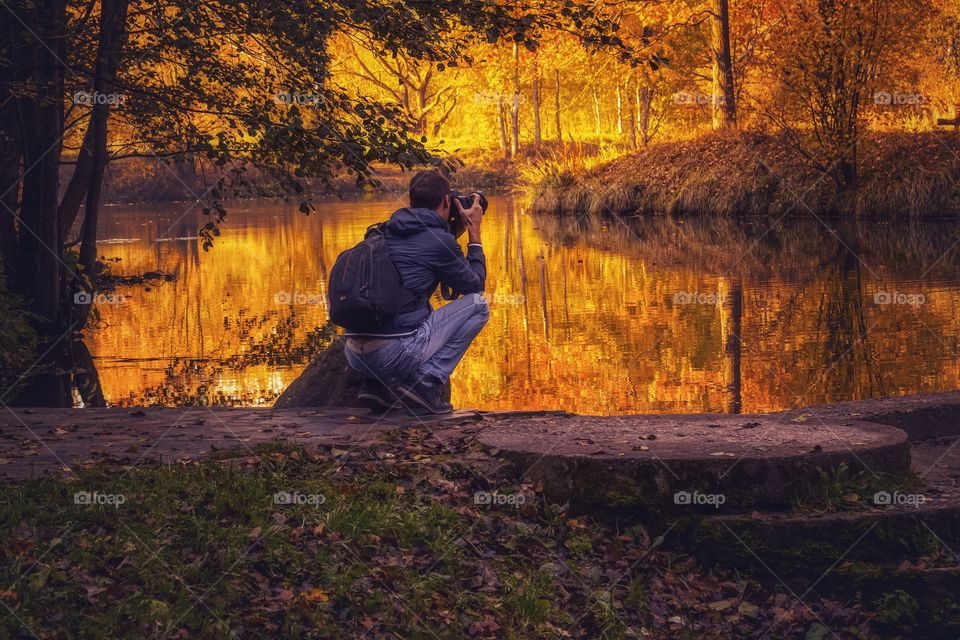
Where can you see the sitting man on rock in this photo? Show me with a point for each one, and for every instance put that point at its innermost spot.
(411, 358)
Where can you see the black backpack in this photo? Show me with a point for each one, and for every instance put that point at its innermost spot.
(365, 289)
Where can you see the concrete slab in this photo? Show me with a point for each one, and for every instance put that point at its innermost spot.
(647, 460)
(37, 441)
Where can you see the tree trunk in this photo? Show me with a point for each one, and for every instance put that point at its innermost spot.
(596, 113)
(9, 180)
(645, 100)
(113, 20)
(422, 107)
(515, 104)
(723, 63)
(619, 110)
(41, 121)
(632, 118)
(556, 106)
(76, 189)
(41, 125)
(502, 125)
(537, 134)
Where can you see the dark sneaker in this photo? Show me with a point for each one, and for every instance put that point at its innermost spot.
(425, 396)
(374, 395)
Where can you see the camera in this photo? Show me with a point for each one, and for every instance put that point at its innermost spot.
(466, 202)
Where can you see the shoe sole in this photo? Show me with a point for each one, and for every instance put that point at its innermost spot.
(408, 393)
(373, 401)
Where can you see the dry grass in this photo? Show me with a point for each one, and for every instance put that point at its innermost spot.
(902, 175)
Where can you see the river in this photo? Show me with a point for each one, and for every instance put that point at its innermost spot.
(591, 316)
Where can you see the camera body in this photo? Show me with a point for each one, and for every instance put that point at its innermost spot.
(466, 201)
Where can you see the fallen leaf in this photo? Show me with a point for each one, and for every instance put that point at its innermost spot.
(721, 605)
(315, 595)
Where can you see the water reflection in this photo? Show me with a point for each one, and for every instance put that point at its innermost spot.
(593, 316)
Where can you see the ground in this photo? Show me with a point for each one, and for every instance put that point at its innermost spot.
(417, 533)
(203, 522)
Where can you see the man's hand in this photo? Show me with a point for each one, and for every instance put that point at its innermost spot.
(471, 218)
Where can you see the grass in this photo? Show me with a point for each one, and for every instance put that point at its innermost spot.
(842, 489)
(396, 548)
(753, 173)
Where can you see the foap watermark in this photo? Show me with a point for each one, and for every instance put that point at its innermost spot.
(296, 298)
(507, 299)
(95, 98)
(495, 498)
(295, 97)
(695, 98)
(697, 499)
(895, 99)
(896, 297)
(88, 297)
(93, 498)
(297, 498)
(697, 297)
(887, 499)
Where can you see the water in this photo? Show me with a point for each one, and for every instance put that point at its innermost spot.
(596, 317)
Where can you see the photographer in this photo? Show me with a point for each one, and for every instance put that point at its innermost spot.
(411, 359)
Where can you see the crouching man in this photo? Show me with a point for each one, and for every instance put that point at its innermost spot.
(411, 358)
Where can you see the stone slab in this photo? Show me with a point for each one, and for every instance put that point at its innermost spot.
(646, 460)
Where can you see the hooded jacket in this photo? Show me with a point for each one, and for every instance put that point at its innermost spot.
(426, 255)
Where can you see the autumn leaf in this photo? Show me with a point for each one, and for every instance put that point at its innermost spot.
(315, 595)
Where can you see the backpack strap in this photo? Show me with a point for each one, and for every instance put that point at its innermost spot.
(376, 227)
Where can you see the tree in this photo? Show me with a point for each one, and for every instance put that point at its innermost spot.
(426, 96)
(826, 55)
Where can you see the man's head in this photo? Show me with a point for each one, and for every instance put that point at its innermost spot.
(431, 190)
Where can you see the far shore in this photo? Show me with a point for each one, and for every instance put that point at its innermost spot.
(757, 174)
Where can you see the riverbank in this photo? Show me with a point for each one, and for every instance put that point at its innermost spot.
(756, 174)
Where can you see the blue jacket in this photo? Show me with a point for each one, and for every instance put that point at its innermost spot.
(426, 254)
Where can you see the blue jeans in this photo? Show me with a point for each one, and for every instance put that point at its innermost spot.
(435, 349)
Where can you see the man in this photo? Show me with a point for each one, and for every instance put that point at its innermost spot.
(412, 359)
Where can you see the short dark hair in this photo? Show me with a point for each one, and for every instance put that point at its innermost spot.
(427, 189)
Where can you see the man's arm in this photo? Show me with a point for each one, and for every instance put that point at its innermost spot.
(461, 275)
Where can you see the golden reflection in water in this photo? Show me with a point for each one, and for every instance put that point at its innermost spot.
(601, 323)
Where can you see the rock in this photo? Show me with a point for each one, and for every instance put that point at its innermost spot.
(328, 381)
